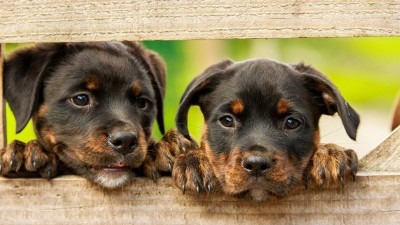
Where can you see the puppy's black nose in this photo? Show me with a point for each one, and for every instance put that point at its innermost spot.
(123, 142)
(257, 165)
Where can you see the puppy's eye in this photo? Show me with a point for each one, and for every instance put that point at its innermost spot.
(292, 123)
(142, 103)
(227, 121)
(81, 100)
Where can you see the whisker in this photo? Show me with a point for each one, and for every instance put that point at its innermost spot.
(336, 130)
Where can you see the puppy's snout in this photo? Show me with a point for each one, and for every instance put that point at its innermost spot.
(123, 142)
(257, 165)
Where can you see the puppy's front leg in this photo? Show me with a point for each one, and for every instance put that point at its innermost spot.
(332, 164)
(162, 154)
(18, 158)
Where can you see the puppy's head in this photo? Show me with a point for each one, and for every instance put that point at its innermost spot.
(262, 122)
(94, 104)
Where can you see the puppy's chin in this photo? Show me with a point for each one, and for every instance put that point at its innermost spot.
(109, 169)
(259, 189)
(236, 181)
(111, 178)
(259, 194)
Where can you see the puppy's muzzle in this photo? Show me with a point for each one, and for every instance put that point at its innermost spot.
(123, 141)
(259, 162)
(257, 165)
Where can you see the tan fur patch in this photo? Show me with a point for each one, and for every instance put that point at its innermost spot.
(97, 144)
(209, 152)
(317, 138)
(43, 110)
(237, 106)
(136, 88)
(204, 134)
(283, 106)
(226, 166)
(51, 138)
(92, 83)
(137, 157)
(48, 135)
(235, 177)
(283, 169)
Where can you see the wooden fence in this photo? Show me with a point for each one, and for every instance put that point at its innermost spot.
(373, 199)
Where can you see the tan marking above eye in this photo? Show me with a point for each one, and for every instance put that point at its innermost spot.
(283, 106)
(136, 88)
(237, 106)
(92, 83)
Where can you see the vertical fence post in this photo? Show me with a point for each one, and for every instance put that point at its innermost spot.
(2, 101)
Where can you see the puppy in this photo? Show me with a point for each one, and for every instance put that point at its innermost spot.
(261, 133)
(93, 107)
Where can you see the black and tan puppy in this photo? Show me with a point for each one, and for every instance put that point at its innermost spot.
(261, 131)
(93, 107)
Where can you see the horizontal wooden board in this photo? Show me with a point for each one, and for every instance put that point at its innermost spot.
(373, 199)
(89, 20)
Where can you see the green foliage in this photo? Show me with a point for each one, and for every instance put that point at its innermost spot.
(366, 70)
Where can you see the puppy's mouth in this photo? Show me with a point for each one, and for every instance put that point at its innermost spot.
(103, 167)
(120, 167)
(111, 176)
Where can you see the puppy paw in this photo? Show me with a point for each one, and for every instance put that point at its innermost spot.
(193, 172)
(332, 165)
(50, 168)
(149, 169)
(12, 157)
(30, 156)
(162, 154)
(172, 144)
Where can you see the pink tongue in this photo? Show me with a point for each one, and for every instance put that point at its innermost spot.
(120, 165)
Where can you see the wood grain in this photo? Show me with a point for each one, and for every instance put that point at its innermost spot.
(385, 157)
(372, 199)
(89, 20)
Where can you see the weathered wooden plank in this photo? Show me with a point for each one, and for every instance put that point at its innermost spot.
(2, 101)
(385, 157)
(89, 20)
(372, 199)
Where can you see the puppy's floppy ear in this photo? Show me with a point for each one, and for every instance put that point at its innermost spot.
(157, 71)
(329, 98)
(24, 72)
(198, 87)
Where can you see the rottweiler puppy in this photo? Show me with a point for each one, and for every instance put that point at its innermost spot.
(261, 134)
(93, 107)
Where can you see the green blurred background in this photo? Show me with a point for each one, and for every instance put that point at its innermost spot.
(366, 71)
